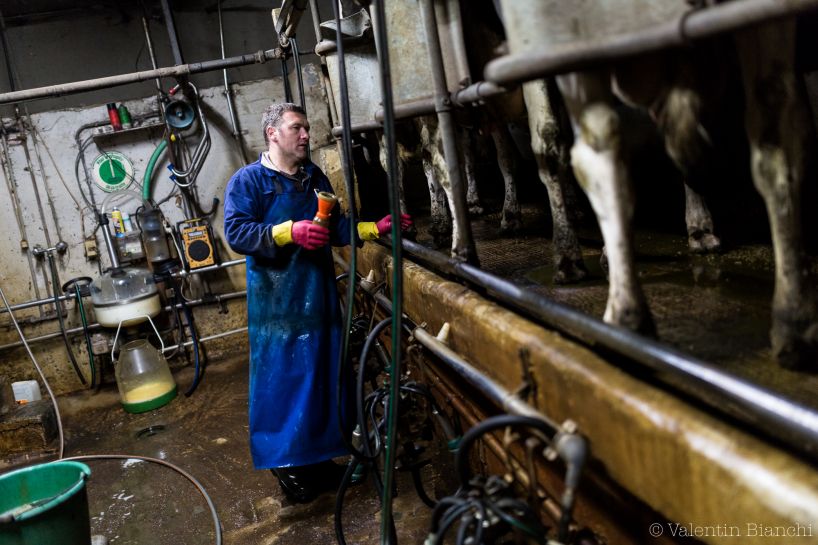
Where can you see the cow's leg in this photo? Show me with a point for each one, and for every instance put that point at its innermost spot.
(688, 144)
(439, 209)
(700, 237)
(550, 148)
(511, 221)
(403, 154)
(432, 142)
(776, 124)
(466, 144)
(601, 172)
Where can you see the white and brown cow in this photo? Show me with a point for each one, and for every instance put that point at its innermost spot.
(676, 87)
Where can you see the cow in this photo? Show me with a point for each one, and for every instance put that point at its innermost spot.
(677, 87)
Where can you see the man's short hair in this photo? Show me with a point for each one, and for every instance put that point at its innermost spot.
(274, 114)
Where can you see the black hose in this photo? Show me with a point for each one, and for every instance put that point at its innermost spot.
(486, 426)
(359, 386)
(299, 76)
(87, 336)
(58, 308)
(339, 501)
(421, 491)
(197, 373)
(285, 75)
(346, 158)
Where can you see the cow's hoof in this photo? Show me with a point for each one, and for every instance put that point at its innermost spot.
(795, 344)
(511, 225)
(635, 318)
(569, 271)
(703, 242)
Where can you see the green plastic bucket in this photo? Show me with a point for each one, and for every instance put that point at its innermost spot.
(45, 504)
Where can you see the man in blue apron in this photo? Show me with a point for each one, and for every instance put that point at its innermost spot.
(293, 314)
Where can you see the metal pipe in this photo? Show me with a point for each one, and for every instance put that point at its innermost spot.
(497, 394)
(173, 37)
(473, 93)
(259, 57)
(761, 409)
(30, 168)
(109, 242)
(454, 26)
(316, 21)
(234, 123)
(415, 108)
(13, 187)
(224, 265)
(477, 92)
(694, 25)
(180, 274)
(55, 286)
(49, 196)
(38, 302)
(463, 246)
(209, 338)
(149, 43)
(217, 299)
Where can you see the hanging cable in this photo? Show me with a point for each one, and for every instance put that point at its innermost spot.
(382, 47)
(346, 158)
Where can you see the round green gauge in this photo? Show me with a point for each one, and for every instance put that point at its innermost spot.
(112, 171)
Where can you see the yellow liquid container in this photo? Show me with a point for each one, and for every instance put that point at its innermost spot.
(143, 377)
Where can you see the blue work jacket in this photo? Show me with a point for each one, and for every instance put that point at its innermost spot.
(293, 318)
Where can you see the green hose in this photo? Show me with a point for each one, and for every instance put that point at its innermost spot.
(146, 180)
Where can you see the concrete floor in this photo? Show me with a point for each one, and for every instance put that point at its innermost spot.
(137, 503)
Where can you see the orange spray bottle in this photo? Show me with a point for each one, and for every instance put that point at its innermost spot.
(326, 202)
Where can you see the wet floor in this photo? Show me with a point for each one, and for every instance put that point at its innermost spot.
(134, 502)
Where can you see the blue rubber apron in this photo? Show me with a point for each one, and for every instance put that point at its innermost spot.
(294, 328)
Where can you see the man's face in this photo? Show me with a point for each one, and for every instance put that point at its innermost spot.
(292, 136)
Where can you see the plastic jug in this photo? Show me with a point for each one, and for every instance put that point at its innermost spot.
(143, 376)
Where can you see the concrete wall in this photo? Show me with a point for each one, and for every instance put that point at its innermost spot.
(43, 150)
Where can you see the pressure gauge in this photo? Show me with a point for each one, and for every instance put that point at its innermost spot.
(112, 171)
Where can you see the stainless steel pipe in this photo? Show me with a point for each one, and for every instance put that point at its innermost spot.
(62, 89)
(216, 299)
(761, 409)
(696, 24)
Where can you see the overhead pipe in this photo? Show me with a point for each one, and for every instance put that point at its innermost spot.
(259, 57)
(776, 417)
(696, 24)
(462, 97)
(464, 247)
